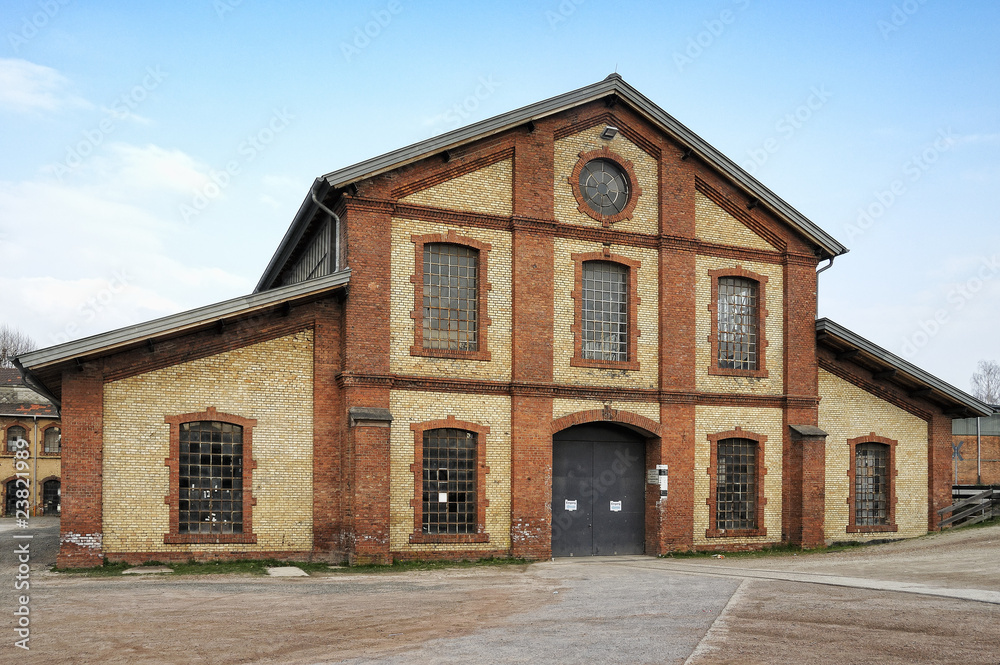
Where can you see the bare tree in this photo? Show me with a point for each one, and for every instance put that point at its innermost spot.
(13, 343)
(986, 381)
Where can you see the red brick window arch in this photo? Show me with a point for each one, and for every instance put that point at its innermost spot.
(449, 482)
(211, 471)
(14, 433)
(605, 327)
(739, 318)
(736, 484)
(872, 477)
(450, 289)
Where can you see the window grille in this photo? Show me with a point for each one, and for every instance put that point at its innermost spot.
(737, 323)
(13, 434)
(605, 311)
(451, 297)
(211, 478)
(449, 496)
(50, 497)
(604, 187)
(736, 484)
(53, 440)
(871, 484)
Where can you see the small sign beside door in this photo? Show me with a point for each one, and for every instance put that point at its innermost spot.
(616, 506)
(570, 504)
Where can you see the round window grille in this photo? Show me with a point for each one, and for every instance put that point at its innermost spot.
(604, 186)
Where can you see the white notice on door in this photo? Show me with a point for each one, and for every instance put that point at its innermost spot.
(570, 504)
(616, 506)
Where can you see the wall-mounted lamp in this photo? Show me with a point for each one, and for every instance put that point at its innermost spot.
(609, 133)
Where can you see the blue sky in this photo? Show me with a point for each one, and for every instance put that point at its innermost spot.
(155, 154)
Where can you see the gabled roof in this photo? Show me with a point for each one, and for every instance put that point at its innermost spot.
(613, 85)
(904, 374)
(37, 362)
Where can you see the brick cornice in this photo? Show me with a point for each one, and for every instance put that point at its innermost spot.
(454, 217)
(360, 203)
(610, 118)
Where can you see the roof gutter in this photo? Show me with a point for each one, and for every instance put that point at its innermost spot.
(32, 382)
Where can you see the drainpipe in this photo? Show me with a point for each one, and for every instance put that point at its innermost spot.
(826, 267)
(336, 228)
(979, 453)
(34, 474)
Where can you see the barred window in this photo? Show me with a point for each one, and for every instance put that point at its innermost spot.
(735, 490)
(53, 440)
(13, 434)
(449, 492)
(737, 325)
(605, 311)
(211, 478)
(451, 297)
(871, 484)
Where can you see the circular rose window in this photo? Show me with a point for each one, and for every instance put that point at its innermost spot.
(604, 186)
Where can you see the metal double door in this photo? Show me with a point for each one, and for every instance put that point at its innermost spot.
(598, 492)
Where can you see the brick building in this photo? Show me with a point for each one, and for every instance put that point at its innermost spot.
(26, 415)
(572, 329)
(976, 450)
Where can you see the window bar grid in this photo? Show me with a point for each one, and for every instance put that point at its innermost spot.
(13, 434)
(605, 311)
(211, 478)
(736, 480)
(451, 297)
(870, 500)
(449, 493)
(737, 323)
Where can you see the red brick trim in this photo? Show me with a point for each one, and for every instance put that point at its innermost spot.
(483, 321)
(634, 301)
(635, 191)
(173, 463)
(713, 338)
(452, 173)
(608, 118)
(417, 468)
(740, 213)
(462, 218)
(607, 414)
(713, 472)
(41, 441)
(212, 555)
(890, 526)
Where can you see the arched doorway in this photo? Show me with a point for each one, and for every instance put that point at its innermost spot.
(51, 496)
(598, 491)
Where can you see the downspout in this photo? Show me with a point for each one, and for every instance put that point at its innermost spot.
(336, 228)
(826, 267)
(979, 453)
(34, 474)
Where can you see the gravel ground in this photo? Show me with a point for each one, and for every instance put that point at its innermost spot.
(614, 610)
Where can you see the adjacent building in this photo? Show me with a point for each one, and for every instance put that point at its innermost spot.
(27, 416)
(573, 329)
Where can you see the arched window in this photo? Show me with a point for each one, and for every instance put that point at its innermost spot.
(51, 495)
(738, 317)
(451, 297)
(736, 484)
(13, 434)
(53, 440)
(872, 496)
(604, 324)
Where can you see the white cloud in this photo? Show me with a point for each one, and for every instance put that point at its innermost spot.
(25, 86)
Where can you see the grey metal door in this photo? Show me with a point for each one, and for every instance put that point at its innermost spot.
(598, 492)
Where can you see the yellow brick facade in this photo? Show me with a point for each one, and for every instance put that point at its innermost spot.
(487, 190)
(42, 466)
(773, 384)
(402, 302)
(564, 310)
(271, 382)
(847, 412)
(645, 218)
(713, 224)
(410, 407)
(713, 420)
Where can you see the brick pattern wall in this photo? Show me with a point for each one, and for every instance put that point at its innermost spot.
(965, 469)
(488, 190)
(847, 411)
(715, 225)
(272, 382)
(409, 407)
(645, 217)
(713, 420)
